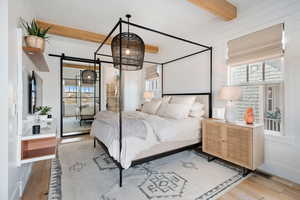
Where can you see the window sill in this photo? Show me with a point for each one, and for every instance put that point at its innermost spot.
(273, 133)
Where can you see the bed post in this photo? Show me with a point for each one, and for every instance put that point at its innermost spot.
(120, 101)
(210, 95)
(100, 79)
(162, 80)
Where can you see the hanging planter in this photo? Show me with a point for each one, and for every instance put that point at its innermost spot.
(36, 35)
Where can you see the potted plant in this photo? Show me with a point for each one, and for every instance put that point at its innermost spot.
(43, 112)
(36, 35)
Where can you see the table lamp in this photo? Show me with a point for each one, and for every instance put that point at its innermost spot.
(230, 94)
(148, 96)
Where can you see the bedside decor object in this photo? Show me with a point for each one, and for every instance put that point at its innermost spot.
(148, 96)
(36, 129)
(133, 50)
(230, 94)
(43, 112)
(249, 116)
(35, 35)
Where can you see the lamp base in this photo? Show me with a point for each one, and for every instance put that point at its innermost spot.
(230, 112)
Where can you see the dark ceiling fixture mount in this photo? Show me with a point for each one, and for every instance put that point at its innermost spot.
(133, 50)
(88, 76)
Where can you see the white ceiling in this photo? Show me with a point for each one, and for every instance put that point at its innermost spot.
(177, 17)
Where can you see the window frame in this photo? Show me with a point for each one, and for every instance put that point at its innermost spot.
(265, 84)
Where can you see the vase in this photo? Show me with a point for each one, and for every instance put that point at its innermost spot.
(35, 42)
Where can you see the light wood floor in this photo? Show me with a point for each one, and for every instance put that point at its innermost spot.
(255, 187)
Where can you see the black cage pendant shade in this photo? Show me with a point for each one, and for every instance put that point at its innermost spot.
(88, 76)
(133, 50)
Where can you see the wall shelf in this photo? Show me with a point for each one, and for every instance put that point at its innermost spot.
(37, 57)
(40, 146)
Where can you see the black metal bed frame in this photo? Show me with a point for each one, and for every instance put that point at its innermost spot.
(163, 64)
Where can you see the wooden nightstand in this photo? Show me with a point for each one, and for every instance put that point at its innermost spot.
(239, 143)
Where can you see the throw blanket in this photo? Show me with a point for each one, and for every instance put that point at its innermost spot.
(133, 125)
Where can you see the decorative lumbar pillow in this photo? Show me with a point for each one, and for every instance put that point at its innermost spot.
(174, 111)
(197, 110)
(151, 107)
(166, 99)
(183, 100)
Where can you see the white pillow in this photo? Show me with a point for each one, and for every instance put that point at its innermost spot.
(197, 110)
(183, 100)
(174, 111)
(165, 99)
(151, 107)
(161, 109)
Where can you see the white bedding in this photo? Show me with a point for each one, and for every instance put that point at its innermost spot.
(158, 130)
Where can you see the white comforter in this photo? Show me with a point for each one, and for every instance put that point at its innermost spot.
(156, 130)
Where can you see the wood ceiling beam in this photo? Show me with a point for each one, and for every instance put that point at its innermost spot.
(84, 35)
(76, 66)
(221, 8)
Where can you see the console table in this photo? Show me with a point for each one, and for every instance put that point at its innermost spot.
(239, 143)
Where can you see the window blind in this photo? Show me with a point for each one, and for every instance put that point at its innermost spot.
(261, 45)
(151, 72)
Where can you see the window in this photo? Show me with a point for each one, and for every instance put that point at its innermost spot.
(152, 85)
(152, 82)
(262, 89)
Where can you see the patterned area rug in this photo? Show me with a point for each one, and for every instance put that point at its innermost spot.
(89, 174)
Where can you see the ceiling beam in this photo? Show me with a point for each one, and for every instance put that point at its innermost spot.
(84, 35)
(85, 67)
(221, 8)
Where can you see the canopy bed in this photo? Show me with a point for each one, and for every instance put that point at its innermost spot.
(108, 128)
(132, 138)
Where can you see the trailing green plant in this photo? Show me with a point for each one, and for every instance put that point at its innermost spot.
(34, 29)
(43, 110)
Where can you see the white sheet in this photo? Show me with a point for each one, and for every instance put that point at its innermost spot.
(158, 130)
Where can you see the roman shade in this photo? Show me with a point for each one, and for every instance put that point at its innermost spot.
(261, 45)
(151, 72)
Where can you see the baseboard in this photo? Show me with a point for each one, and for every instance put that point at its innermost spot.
(15, 194)
(278, 179)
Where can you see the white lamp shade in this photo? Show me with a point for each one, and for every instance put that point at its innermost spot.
(148, 95)
(230, 93)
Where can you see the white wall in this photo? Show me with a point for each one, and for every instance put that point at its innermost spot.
(3, 98)
(17, 176)
(189, 75)
(282, 152)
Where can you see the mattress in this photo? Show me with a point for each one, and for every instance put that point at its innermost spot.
(159, 130)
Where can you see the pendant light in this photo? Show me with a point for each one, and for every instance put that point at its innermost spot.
(88, 76)
(133, 50)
